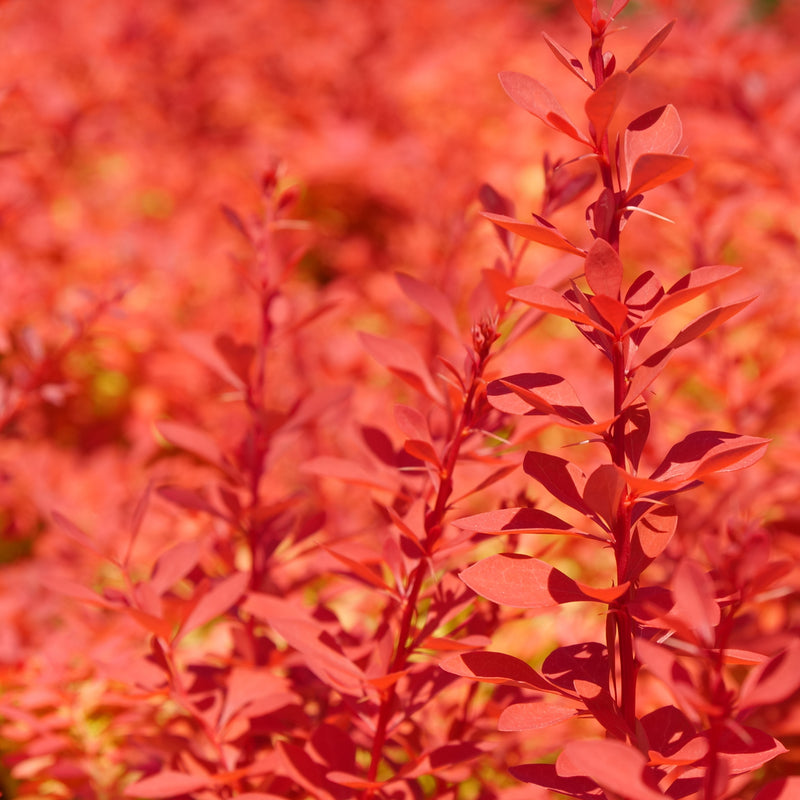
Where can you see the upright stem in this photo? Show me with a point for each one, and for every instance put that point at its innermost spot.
(622, 549)
(483, 337)
(620, 633)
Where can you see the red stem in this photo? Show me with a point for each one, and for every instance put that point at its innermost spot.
(433, 528)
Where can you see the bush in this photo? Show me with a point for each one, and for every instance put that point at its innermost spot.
(348, 481)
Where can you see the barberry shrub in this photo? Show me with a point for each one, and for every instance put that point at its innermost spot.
(368, 518)
(679, 631)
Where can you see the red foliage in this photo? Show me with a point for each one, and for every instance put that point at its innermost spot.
(272, 516)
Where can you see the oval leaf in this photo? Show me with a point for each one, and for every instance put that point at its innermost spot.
(498, 668)
(535, 231)
(514, 520)
(524, 582)
(604, 269)
(704, 452)
(167, 783)
(400, 358)
(216, 601)
(538, 100)
(533, 716)
(653, 169)
(614, 765)
(601, 104)
(572, 63)
(651, 47)
(657, 131)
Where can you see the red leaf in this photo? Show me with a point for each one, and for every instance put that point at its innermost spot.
(197, 442)
(352, 781)
(586, 662)
(251, 685)
(167, 783)
(652, 533)
(334, 747)
(614, 765)
(552, 302)
(359, 569)
(602, 103)
(657, 131)
(672, 738)
(499, 668)
(311, 638)
(693, 591)
(707, 322)
(612, 311)
(603, 269)
(544, 393)
(402, 360)
(150, 622)
(349, 472)
(644, 292)
(563, 479)
(691, 285)
(216, 602)
(536, 232)
(599, 703)
(772, 681)
(516, 520)
(537, 99)
(585, 9)
(174, 564)
(495, 476)
(78, 591)
(533, 716)
(434, 301)
(616, 7)
(497, 283)
(567, 59)
(439, 759)
(545, 775)
(645, 373)
(77, 535)
(201, 346)
(662, 663)
(307, 772)
(258, 796)
(190, 499)
(603, 491)
(496, 203)
(746, 749)
(524, 582)
(651, 47)
(423, 451)
(412, 422)
(703, 453)
(653, 169)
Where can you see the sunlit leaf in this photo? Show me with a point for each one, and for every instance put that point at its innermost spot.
(538, 100)
(404, 361)
(536, 232)
(525, 582)
(651, 46)
(499, 668)
(167, 783)
(603, 269)
(614, 765)
(433, 300)
(572, 63)
(653, 169)
(603, 102)
(533, 716)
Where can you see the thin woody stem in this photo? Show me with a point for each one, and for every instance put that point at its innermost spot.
(433, 528)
